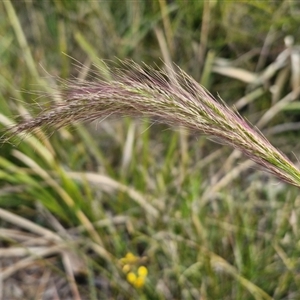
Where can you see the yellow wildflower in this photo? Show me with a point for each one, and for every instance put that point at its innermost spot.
(136, 277)
(131, 278)
(126, 268)
(129, 258)
(139, 282)
(142, 271)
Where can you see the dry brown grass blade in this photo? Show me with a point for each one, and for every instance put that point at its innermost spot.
(28, 225)
(23, 263)
(109, 184)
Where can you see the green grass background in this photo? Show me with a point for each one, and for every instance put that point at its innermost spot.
(205, 222)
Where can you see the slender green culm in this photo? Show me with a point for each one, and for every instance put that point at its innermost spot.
(170, 96)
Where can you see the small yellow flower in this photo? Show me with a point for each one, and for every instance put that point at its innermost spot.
(126, 268)
(135, 276)
(142, 271)
(129, 259)
(139, 282)
(131, 278)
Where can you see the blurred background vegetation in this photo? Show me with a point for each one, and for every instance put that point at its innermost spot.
(84, 207)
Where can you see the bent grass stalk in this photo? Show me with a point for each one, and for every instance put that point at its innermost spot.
(172, 97)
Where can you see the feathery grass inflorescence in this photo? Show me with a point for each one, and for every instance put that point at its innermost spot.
(170, 96)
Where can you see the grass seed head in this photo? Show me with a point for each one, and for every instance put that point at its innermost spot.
(172, 97)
